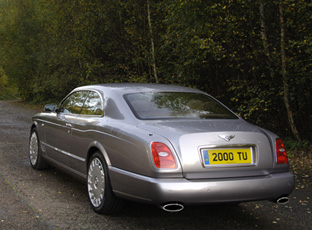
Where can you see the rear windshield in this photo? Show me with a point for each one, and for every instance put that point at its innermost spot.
(176, 105)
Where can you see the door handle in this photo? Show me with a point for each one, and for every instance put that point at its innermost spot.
(69, 126)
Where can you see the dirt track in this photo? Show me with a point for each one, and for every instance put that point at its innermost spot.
(49, 199)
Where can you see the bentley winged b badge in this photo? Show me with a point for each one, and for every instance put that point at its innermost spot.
(226, 137)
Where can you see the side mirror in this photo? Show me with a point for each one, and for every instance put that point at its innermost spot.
(50, 108)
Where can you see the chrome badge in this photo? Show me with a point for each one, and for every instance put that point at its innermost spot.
(227, 137)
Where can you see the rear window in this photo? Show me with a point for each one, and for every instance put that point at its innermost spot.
(176, 105)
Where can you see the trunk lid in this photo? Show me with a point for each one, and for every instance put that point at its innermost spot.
(217, 148)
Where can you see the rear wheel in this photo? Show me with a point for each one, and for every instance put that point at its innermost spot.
(35, 155)
(100, 192)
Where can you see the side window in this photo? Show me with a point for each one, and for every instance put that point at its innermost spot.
(74, 102)
(93, 105)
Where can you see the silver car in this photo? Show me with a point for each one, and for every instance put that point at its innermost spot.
(164, 145)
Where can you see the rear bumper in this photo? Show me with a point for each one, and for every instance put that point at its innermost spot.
(195, 192)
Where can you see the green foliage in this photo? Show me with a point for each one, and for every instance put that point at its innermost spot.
(49, 47)
(6, 92)
(9, 93)
(292, 144)
(3, 81)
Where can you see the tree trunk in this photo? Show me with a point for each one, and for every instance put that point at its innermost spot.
(265, 39)
(152, 41)
(284, 76)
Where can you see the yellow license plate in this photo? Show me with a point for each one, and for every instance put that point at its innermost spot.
(227, 156)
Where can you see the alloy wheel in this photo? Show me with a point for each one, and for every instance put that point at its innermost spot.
(96, 182)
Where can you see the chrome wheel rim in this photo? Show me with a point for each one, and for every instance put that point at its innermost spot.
(96, 182)
(33, 149)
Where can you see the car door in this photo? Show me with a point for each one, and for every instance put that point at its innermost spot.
(85, 129)
(59, 132)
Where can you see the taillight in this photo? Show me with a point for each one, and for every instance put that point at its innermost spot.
(162, 156)
(281, 152)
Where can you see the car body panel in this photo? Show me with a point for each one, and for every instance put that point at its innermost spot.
(188, 141)
(68, 141)
(198, 192)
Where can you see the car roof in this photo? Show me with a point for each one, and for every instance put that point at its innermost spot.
(124, 88)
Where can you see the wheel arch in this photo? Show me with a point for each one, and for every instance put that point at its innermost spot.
(33, 125)
(94, 147)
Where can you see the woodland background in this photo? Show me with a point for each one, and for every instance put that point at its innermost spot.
(253, 55)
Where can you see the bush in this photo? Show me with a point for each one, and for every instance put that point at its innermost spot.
(292, 144)
(8, 93)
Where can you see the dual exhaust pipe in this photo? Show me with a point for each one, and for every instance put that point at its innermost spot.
(177, 207)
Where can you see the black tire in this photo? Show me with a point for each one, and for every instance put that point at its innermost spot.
(35, 155)
(101, 196)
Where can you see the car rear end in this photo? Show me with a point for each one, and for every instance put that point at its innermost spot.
(244, 163)
(221, 158)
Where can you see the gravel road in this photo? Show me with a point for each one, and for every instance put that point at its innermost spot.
(49, 199)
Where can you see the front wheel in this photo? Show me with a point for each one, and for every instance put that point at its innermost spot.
(35, 156)
(100, 192)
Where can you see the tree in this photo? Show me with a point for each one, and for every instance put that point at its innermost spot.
(152, 40)
(284, 75)
(240, 51)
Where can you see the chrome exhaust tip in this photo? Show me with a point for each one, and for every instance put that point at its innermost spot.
(173, 207)
(282, 200)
